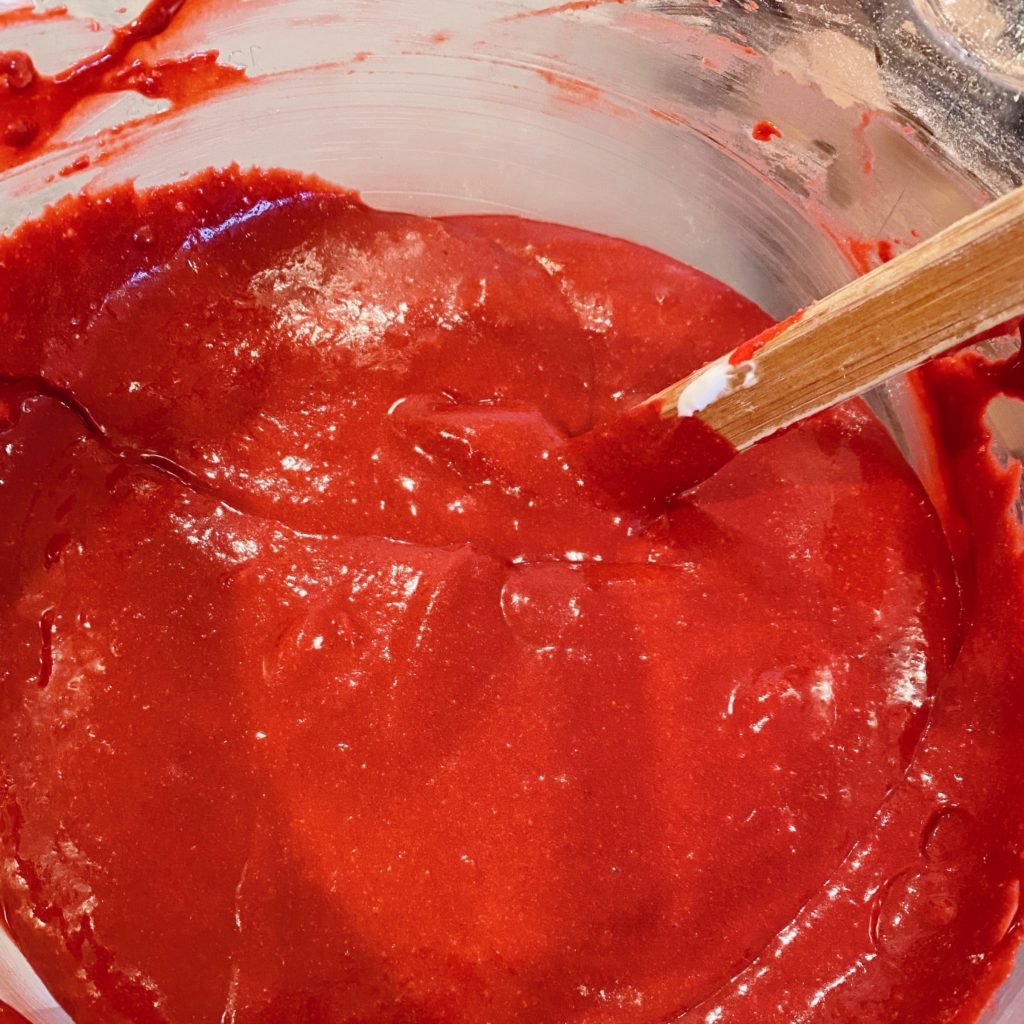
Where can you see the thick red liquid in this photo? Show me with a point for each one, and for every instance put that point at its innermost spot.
(331, 694)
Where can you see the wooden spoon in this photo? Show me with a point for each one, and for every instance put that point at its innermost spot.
(940, 295)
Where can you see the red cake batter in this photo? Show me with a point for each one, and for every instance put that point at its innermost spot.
(331, 693)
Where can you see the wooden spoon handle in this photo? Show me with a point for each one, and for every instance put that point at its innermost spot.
(966, 280)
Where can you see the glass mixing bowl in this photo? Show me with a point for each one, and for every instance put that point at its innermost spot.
(630, 117)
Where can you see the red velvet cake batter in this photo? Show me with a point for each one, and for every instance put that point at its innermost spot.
(332, 692)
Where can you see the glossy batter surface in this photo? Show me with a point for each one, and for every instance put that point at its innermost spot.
(331, 694)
